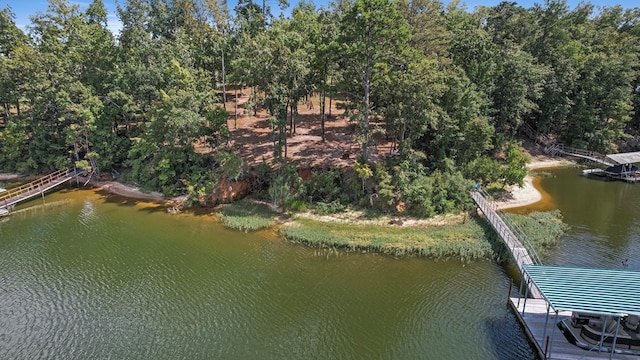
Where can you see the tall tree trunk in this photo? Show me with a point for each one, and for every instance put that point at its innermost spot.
(403, 131)
(322, 114)
(289, 116)
(6, 112)
(235, 96)
(364, 127)
(330, 101)
(323, 101)
(18, 107)
(283, 135)
(255, 101)
(294, 107)
(224, 82)
(75, 151)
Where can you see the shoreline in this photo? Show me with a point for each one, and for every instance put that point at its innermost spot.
(128, 191)
(528, 194)
(517, 196)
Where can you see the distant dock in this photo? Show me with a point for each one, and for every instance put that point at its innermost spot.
(618, 166)
(631, 177)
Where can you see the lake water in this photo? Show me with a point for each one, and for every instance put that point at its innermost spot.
(604, 217)
(89, 276)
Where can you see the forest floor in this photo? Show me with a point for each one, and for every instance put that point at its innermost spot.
(252, 140)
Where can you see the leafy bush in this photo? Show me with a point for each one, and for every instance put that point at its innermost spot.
(450, 192)
(487, 171)
(384, 189)
(333, 207)
(323, 186)
(286, 185)
(228, 165)
(418, 195)
(516, 168)
(363, 172)
(483, 170)
(199, 186)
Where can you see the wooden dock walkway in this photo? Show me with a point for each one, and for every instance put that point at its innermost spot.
(560, 149)
(521, 250)
(10, 198)
(538, 327)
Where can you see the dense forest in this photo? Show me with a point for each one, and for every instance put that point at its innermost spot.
(452, 89)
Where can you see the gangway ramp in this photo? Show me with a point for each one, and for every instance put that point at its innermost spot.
(11, 197)
(521, 251)
(560, 149)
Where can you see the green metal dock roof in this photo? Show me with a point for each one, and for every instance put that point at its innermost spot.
(601, 291)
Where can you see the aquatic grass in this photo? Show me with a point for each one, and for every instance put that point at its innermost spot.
(473, 240)
(248, 216)
(542, 228)
(536, 173)
(466, 242)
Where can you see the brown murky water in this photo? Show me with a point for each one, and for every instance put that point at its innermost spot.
(88, 277)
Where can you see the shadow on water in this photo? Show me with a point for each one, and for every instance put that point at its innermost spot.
(495, 330)
(500, 251)
(494, 327)
(149, 206)
(152, 207)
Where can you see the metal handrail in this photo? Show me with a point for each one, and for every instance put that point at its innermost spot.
(36, 184)
(511, 227)
(524, 239)
(559, 148)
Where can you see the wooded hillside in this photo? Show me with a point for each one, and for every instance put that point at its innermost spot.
(448, 89)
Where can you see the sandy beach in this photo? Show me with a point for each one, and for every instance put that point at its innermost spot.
(129, 191)
(528, 194)
(9, 176)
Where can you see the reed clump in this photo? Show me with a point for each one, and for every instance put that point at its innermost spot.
(469, 241)
(543, 229)
(248, 216)
(463, 241)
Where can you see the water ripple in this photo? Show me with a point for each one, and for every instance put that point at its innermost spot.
(99, 281)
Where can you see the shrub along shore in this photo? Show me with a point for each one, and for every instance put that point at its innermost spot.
(466, 236)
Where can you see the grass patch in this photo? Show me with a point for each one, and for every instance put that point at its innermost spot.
(471, 241)
(248, 216)
(466, 242)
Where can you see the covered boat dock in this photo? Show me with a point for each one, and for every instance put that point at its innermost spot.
(622, 170)
(583, 313)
